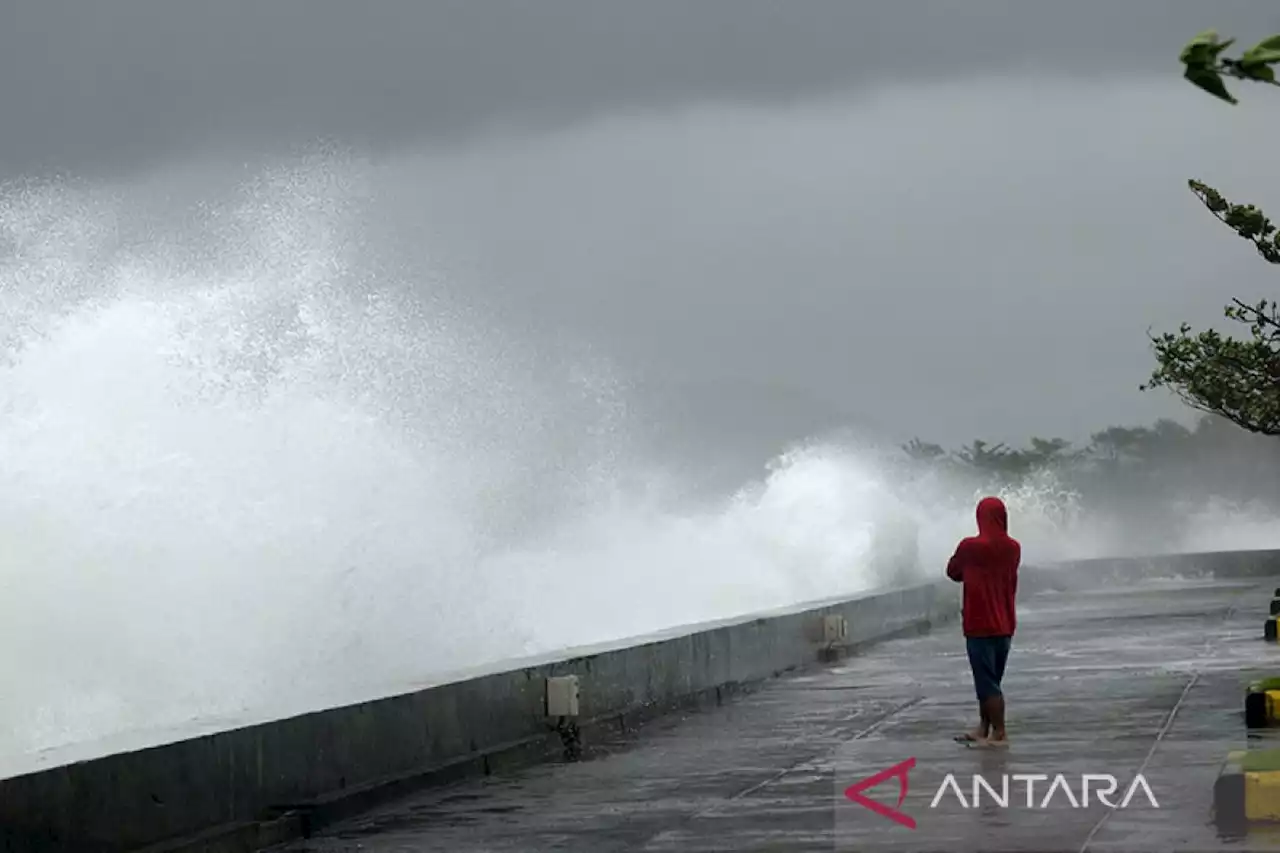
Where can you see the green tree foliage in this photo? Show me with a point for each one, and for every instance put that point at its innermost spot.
(923, 451)
(1236, 378)
(996, 461)
(989, 457)
(1206, 66)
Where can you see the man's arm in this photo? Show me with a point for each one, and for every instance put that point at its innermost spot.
(1016, 567)
(955, 566)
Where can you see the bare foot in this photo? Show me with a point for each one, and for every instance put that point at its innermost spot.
(975, 736)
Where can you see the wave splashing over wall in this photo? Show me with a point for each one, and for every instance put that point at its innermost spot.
(252, 465)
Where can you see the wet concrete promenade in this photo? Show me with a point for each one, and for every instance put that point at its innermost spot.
(1140, 680)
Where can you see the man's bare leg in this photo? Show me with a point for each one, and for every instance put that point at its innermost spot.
(993, 715)
(984, 728)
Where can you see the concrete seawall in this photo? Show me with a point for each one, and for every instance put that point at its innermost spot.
(252, 786)
(1079, 574)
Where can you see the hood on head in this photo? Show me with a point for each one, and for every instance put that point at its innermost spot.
(993, 518)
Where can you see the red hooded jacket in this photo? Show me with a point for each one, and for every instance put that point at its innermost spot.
(987, 565)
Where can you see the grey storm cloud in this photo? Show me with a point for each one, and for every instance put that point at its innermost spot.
(944, 219)
(102, 87)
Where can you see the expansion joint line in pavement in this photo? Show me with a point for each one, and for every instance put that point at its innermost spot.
(806, 763)
(866, 731)
(1168, 720)
(1164, 730)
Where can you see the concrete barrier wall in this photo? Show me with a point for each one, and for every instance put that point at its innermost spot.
(263, 783)
(1079, 574)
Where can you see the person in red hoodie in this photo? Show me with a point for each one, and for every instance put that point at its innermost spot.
(987, 565)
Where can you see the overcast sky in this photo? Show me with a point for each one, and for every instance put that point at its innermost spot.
(947, 219)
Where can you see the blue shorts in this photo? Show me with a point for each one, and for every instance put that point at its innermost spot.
(987, 657)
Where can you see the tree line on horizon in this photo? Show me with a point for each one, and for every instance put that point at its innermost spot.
(1212, 455)
(1160, 442)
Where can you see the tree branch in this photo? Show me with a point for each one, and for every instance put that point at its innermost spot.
(1248, 221)
(1206, 66)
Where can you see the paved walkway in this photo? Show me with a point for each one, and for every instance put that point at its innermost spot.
(1143, 680)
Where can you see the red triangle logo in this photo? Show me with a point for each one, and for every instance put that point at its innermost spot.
(897, 771)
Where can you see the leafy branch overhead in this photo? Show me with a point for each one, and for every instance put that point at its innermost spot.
(1206, 66)
(1244, 219)
(1211, 372)
(1238, 379)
